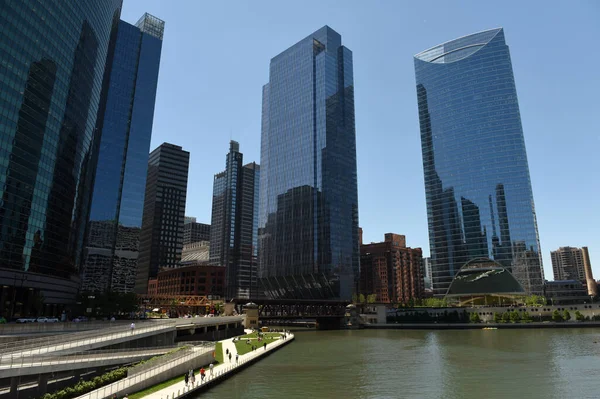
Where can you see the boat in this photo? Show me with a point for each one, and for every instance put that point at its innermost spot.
(490, 328)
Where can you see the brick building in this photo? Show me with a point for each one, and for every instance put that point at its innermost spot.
(191, 280)
(391, 270)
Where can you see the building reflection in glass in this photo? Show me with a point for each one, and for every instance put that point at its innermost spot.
(478, 190)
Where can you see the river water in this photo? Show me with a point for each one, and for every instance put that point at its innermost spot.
(544, 363)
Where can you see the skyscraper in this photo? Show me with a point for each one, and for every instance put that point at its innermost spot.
(567, 264)
(308, 217)
(195, 232)
(112, 245)
(53, 60)
(161, 238)
(477, 185)
(234, 224)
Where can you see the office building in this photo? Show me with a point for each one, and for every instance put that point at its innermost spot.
(112, 242)
(161, 238)
(308, 215)
(427, 272)
(195, 254)
(195, 232)
(52, 70)
(561, 292)
(234, 224)
(191, 280)
(477, 184)
(567, 264)
(391, 270)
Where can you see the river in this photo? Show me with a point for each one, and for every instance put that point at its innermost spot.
(544, 363)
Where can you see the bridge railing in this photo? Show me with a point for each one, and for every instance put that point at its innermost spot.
(39, 346)
(58, 326)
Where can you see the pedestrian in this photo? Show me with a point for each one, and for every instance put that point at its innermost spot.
(229, 357)
(211, 369)
(132, 326)
(193, 378)
(227, 351)
(265, 346)
(186, 377)
(236, 357)
(202, 374)
(125, 397)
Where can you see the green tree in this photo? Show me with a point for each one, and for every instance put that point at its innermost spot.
(372, 298)
(566, 315)
(579, 316)
(497, 318)
(514, 317)
(505, 317)
(361, 298)
(526, 318)
(474, 318)
(556, 316)
(354, 298)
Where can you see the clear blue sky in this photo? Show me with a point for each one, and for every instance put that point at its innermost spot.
(215, 61)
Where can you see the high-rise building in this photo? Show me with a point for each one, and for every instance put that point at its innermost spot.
(195, 232)
(53, 59)
(161, 238)
(567, 264)
(234, 225)
(112, 242)
(308, 217)
(391, 270)
(477, 185)
(427, 272)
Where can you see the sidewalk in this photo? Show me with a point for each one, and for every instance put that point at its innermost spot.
(219, 371)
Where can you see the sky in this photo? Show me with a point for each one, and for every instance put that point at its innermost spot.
(215, 60)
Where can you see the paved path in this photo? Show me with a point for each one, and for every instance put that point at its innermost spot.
(219, 371)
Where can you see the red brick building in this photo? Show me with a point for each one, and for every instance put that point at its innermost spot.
(192, 280)
(391, 270)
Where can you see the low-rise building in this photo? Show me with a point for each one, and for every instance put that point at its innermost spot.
(565, 292)
(192, 280)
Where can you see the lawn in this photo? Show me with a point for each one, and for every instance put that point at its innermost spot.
(242, 347)
(156, 388)
(219, 353)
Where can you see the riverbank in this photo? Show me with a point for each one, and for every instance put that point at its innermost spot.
(479, 326)
(220, 371)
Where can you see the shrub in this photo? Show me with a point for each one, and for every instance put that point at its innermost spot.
(514, 317)
(474, 318)
(579, 316)
(556, 316)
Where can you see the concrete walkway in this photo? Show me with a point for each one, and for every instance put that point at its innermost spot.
(220, 371)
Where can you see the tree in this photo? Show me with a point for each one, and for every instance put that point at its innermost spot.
(526, 318)
(361, 298)
(497, 318)
(372, 298)
(556, 316)
(514, 317)
(505, 317)
(579, 316)
(566, 315)
(354, 298)
(474, 318)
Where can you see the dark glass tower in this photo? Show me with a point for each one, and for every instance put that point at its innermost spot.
(161, 238)
(477, 186)
(234, 224)
(308, 217)
(52, 63)
(112, 245)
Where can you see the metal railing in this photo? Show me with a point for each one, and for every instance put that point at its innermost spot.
(39, 346)
(126, 383)
(57, 326)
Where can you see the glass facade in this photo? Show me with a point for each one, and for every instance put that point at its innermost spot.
(52, 62)
(234, 224)
(477, 185)
(308, 212)
(112, 244)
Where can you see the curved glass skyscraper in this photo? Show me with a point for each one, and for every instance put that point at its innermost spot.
(477, 186)
(52, 61)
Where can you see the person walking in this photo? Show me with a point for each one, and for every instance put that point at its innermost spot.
(265, 346)
(236, 357)
(186, 378)
(229, 357)
(211, 369)
(202, 374)
(193, 377)
(132, 326)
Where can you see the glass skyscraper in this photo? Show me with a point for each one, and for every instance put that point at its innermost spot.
(112, 245)
(477, 185)
(52, 61)
(308, 214)
(234, 224)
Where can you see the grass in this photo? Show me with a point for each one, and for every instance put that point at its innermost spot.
(219, 353)
(156, 388)
(242, 347)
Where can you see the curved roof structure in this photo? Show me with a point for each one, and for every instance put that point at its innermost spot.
(483, 276)
(457, 49)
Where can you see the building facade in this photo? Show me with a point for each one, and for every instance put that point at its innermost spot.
(112, 242)
(195, 232)
(161, 238)
(192, 280)
(308, 215)
(566, 291)
(391, 270)
(234, 226)
(567, 264)
(477, 185)
(53, 68)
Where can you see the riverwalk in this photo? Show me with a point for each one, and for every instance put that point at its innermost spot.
(220, 371)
